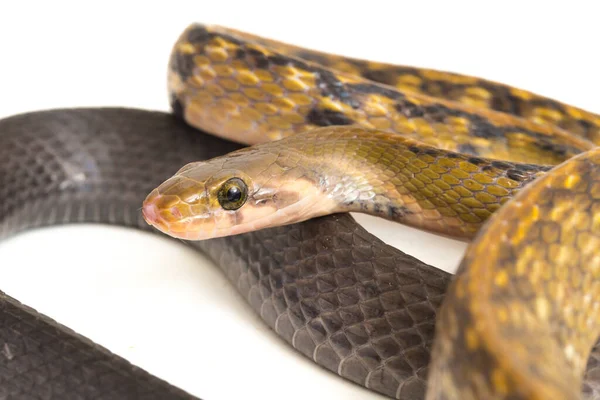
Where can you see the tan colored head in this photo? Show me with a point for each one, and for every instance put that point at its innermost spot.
(245, 191)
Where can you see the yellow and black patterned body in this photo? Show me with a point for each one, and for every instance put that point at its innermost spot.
(469, 90)
(250, 93)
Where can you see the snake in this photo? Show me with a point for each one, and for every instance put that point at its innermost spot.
(308, 137)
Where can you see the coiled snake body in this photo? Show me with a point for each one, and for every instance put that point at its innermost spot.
(519, 320)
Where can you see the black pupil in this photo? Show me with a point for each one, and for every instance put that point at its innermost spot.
(234, 193)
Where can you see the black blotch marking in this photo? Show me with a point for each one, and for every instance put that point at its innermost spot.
(176, 106)
(545, 144)
(547, 103)
(228, 38)
(330, 86)
(325, 117)
(402, 70)
(438, 112)
(257, 58)
(184, 65)
(502, 165)
(476, 161)
(529, 167)
(240, 54)
(398, 212)
(524, 172)
(453, 155)
(586, 125)
(386, 76)
(516, 175)
(467, 148)
(377, 208)
(439, 88)
(479, 127)
(310, 56)
(487, 168)
(409, 109)
(503, 100)
(278, 59)
(414, 149)
(372, 88)
(199, 35)
(431, 152)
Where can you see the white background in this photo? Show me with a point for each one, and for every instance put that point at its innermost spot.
(159, 304)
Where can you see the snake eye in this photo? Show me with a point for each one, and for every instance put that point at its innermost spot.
(232, 194)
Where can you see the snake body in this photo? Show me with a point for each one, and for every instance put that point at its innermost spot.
(249, 93)
(457, 88)
(338, 295)
(522, 314)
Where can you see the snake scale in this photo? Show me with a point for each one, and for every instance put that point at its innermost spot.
(337, 294)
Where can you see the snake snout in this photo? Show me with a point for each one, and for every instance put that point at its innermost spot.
(176, 207)
(150, 210)
(158, 211)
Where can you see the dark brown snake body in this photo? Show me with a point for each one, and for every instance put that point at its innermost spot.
(354, 305)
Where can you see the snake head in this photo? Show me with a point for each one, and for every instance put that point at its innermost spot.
(217, 198)
(198, 201)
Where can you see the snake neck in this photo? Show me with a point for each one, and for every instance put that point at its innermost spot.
(353, 192)
(402, 180)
